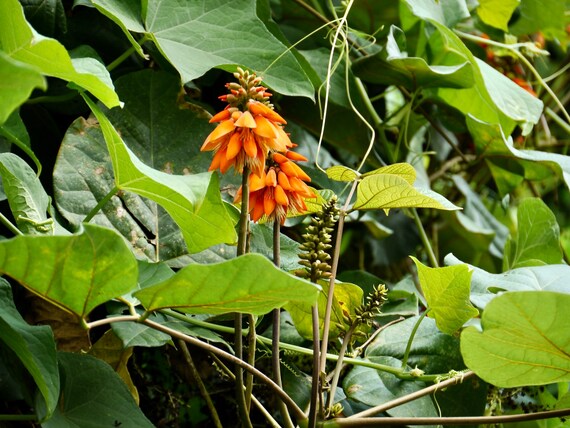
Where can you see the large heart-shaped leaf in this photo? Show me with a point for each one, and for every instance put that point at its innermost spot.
(193, 201)
(77, 272)
(248, 284)
(19, 40)
(446, 12)
(198, 36)
(497, 13)
(536, 241)
(23, 79)
(484, 285)
(91, 387)
(393, 66)
(524, 340)
(26, 195)
(33, 345)
(446, 290)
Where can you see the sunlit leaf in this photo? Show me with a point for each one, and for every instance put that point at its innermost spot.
(27, 198)
(34, 346)
(342, 173)
(446, 12)
(393, 66)
(484, 285)
(21, 79)
(536, 241)
(248, 284)
(446, 290)
(497, 13)
(402, 169)
(91, 387)
(386, 191)
(19, 40)
(524, 340)
(77, 272)
(198, 36)
(193, 201)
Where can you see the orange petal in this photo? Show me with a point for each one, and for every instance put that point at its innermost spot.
(223, 115)
(216, 160)
(264, 128)
(237, 197)
(268, 203)
(271, 178)
(280, 196)
(225, 163)
(222, 129)
(288, 168)
(283, 181)
(246, 120)
(296, 156)
(258, 210)
(249, 144)
(259, 108)
(300, 173)
(279, 158)
(234, 146)
(256, 182)
(282, 142)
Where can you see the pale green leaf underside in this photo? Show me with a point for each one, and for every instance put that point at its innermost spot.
(193, 201)
(19, 40)
(446, 290)
(342, 173)
(524, 340)
(387, 191)
(497, 13)
(247, 284)
(402, 169)
(77, 272)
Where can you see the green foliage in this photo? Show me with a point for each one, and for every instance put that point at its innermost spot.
(516, 347)
(439, 128)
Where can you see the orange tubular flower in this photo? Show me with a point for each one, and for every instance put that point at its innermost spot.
(249, 129)
(278, 190)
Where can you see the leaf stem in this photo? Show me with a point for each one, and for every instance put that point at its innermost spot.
(114, 64)
(316, 407)
(201, 387)
(339, 363)
(109, 320)
(425, 239)
(101, 204)
(22, 146)
(457, 420)
(411, 339)
(411, 397)
(9, 225)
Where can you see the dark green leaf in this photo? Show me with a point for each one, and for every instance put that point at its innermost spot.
(28, 199)
(93, 395)
(198, 36)
(249, 284)
(546, 16)
(33, 345)
(524, 340)
(77, 272)
(393, 66)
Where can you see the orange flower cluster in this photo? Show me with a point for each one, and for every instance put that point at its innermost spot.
(250, 134)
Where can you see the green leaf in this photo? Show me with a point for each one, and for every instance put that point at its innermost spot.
(93, 395)
(402, 169)
(19, 40)
(432, 351)
(27, 198)
(524, 340)
(537, 239)
(198, 36)
(497, 13)
(77, 272)
(446, 290)
(33, 345)
(546, 16)
(445, 12)
(484, 285)
(342, 173)
(347, 297)
(374, 387)
(493, 98)
(261, 242)
(193, 201)
(393, 66)
(19, 79)
(248, 284)
(490, 140)
(386, 191)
